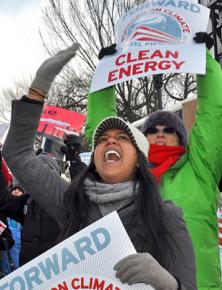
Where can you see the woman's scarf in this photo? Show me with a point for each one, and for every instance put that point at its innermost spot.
(110, 197)
(162, 157)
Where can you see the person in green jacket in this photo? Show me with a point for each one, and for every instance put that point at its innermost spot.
(188, 172)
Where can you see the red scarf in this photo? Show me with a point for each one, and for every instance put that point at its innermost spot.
(162, 157)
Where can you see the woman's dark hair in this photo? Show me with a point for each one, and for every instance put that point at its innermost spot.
(154, 214)
(149, 206)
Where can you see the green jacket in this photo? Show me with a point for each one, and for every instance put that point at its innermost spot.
(192, 183)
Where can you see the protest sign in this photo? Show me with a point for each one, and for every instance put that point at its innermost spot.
(55, 122)
(85, 157)
(155, 37)
(83, 261)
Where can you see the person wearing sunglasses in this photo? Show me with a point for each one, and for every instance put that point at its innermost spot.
(188, 172)
(162, 135)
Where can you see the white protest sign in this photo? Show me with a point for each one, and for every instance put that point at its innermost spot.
(138, 63)
(155, 37)
(85, 157)
(83, 261)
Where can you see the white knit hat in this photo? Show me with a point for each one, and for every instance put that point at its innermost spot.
(138, 139)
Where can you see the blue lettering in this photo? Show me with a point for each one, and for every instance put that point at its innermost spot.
(159, 3)
(183, 4)
(4, 286)
(50, 266)
(84, 245)
(194, 8)
(19, 281)
(98, 235)
(68, 257)
(170, 3)
(136, 9)
(32, 276)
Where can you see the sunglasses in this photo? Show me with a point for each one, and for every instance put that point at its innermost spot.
(166, 130)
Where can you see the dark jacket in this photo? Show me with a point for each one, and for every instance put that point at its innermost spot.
(40, 230)
(6, 238)
(6, 243)
(5, 235)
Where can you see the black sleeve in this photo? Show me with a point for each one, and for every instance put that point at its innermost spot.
(11, 206)
(6, 235)
(27, 100)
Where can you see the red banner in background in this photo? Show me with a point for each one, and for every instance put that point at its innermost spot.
(55, 122)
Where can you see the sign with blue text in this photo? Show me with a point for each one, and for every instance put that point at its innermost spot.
(153, 38)
(83, 261)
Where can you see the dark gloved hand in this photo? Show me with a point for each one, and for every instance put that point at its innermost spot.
(38, 151)
(203, 37)
(72, 147)
(143, 268)
(109, 50)
(51, 68)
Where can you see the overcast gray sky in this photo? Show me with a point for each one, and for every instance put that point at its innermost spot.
(21, 51)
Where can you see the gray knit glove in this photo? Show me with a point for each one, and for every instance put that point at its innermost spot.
(143, 268)
(51, 67)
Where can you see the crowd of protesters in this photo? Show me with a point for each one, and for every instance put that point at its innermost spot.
(163, 185)
(33, 230)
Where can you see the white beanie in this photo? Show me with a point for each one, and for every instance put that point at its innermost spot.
(137, 138)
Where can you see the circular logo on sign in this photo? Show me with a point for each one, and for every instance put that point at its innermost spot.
(157, 28)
